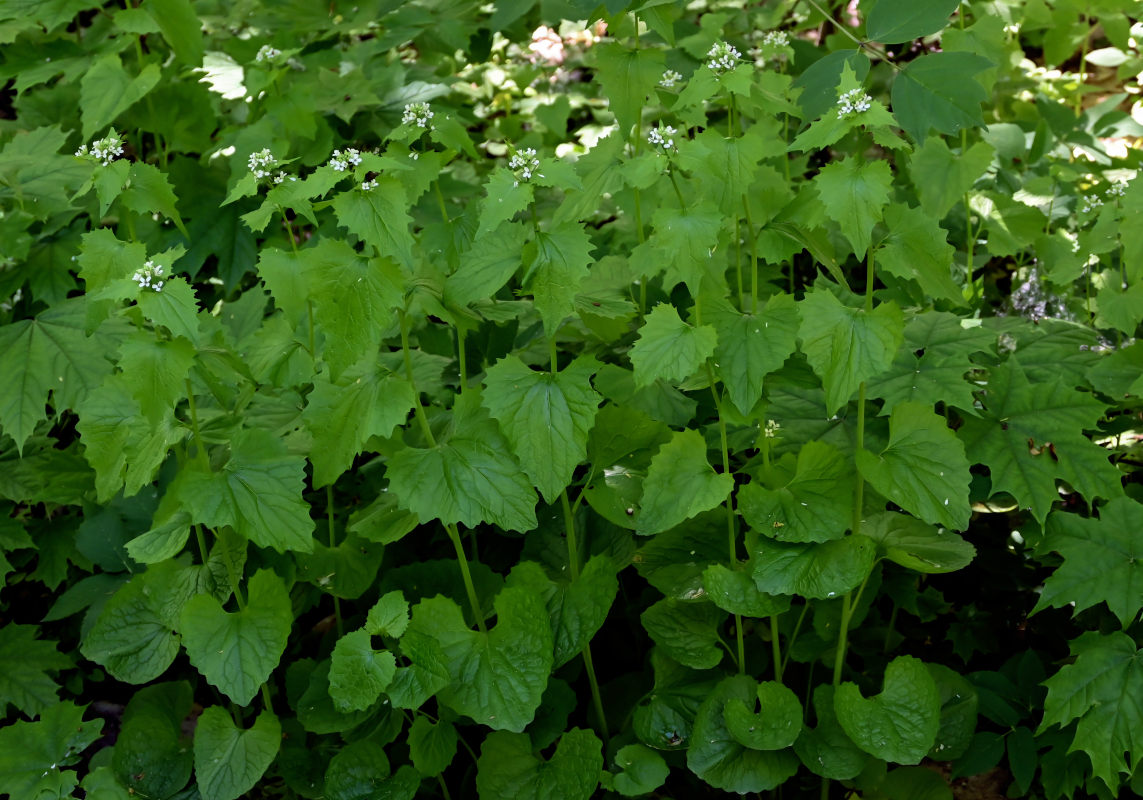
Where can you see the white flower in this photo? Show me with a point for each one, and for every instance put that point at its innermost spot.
(267, 53)
(772, 428)
(723, 57)
(367, 186)
(662, 137)
(11, 302)
(669, 79)
(417, 114)
(342, 161)
(262, 163)
(852, 103)
(524, 163)
(103, 150)
(775, 39)
(1116, 189)
(1091, 203)
(147, 277)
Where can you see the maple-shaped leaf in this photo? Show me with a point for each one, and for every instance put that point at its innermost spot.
(556, 271)
(1101, 689)
(931, 365)
(917, 249)
(25, 662)
(29, 751)
(1030, 435)
(545, 415)
(846, 346)
(1103, 560)
(469, 476)
(940, 91)
(669, 348)
(854, 193)
(379, 217)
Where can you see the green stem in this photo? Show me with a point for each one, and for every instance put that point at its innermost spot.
(444, 787)
(289, 230)
(863, 45)
(775, 648)
(469, 587)
(329, 509)
(200, 448)
(794, 635)
(461, 357)
(202, 551)
(678, 191)
(1083, 67)
(419, 409)
(753, 256)
(738, 264)
(441, 202)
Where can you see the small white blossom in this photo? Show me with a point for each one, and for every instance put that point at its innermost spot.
(524, 163)
(1091, 203)
(772, 428)
(852, 103)
(417, 114)
(723, 57)
(367, 186)
(1116, 189)
(104, 150)
(663, 137)
(342, 161)
(669, 79)
(11, 302)
(267, 53)
(148, 276)
(775, 39)
(262, 163)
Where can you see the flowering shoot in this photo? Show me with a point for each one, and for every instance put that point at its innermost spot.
(852, 103)
(417, 114)
(149, 277)
(104, 150)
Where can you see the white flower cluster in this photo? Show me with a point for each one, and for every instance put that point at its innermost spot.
(669, 79)
(148, 276)
(663, 137)
(775, 39)
(368, 186)
(104, 150)
(524, 163)
(11, 302)
(417, 114)
(267, 53)
(772, 428)
(1091, 203)
(342, 161)
(1116, 189)
(262, 163)
(853, 103)
(723, 57)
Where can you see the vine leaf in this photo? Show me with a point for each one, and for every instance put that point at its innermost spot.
(817, 571)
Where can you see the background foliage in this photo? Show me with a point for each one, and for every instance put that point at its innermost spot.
(553, 399)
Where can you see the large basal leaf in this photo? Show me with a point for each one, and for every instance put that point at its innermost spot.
(774, 726)
(1100, 689)
(236, 652)
(686, 631)
(814, 505)
(917, 545)
(939, 91)
(432, 746)
(669, 348)
(897, 21)
(923, 468)
(724, 762)
(854, 193)
(508, 768)
(900, 724)
(469, 477)
(25, 662)
(497, 678)
(1103, 560)
(825, 750)
(29, 751)
(545, 415)
(151, 756)
(642, 771)
(733, 590)
(132, 638)
(680, 483)
(750, 346)
(846, 346)
(228, 761)
(817, 571)
(358, 673)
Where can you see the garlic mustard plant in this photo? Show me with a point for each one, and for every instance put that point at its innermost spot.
(150, 276)
(342, 160)
(417, 114)
(852, 103)
(722, 57)
(103, 151)
(669, 79)
(663, 137)
(524, 163)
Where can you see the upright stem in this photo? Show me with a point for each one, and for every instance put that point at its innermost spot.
(329, 510)
(775, 648)
(200, 448)
(753, 256)
(573, 567)
(469, 587)
(422, 418)
(461, 357)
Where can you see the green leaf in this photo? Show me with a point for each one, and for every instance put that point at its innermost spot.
(686, 631)
(901, 723)
(916, 545)
(31, 750)
(669, 348)
(826, 750)
(721, 760)
(487, 265)
(432, 746)
(959, 702)
(854, 193)
(175, 308)
(917, 249)
(557, 270)
(820, 80)
(1100, 689)
(683, 241)
(897, 21)
(939, 90)
(427, 673)
(236, 652)
(158, 371)
(1100, 560)
(469, 477)
(181, 28)
(734, 591)
(52, 354)
(106, 91)
(506, 197)
(131, 638)
(627, 77)
(941, 177)
(367, 401)
(379, 217)
(1013, 433)
(846, 346)
(25, 662)
(817, 571)
(228, 761)
(389, 616)
(750, 346)
(497, 678)
(643, 770)
(923, 468)
(346, 570)
(358, 673)
(814, 505)
(546, 417)
(680, 483)
(774, 727)
(507, 767)
(148, 192)
(360, 771)
(258, 492)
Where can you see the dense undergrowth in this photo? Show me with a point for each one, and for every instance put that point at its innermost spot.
(552, 400)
